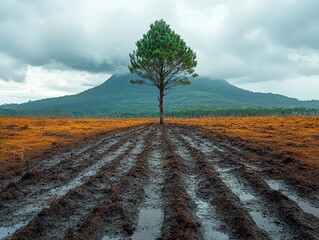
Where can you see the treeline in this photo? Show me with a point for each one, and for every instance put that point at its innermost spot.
(247, 112)
(226, 112)
(231, 112)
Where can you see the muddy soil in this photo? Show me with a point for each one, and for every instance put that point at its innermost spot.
(160, 182)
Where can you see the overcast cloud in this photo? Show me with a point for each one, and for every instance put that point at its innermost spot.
(56, 47)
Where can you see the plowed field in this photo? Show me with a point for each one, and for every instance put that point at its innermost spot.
(161, 182)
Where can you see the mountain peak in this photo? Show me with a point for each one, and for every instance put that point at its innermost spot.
(117, 96)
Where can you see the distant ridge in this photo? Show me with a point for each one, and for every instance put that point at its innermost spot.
(117, 96)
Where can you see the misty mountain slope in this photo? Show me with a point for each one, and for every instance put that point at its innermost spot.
(117, 95)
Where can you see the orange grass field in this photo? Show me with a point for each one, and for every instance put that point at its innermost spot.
(294, 137)
(21, 138)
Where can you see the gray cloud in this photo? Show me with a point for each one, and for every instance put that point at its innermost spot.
(12, 69)
(246, 41)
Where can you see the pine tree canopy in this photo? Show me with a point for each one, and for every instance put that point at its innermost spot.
(163, 58)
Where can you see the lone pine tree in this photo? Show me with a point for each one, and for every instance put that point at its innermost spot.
(162, 59)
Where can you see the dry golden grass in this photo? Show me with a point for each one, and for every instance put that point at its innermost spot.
(20, 138)
(295, 137)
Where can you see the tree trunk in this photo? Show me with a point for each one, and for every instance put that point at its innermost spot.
(161, 105)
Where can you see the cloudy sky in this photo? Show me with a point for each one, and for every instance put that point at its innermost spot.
(56, 47)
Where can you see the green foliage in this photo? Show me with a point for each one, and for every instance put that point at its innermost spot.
(102, 113)
(163, 58)
(245, 112)
(138, 81)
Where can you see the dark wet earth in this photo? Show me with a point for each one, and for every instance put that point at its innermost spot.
(157, 182)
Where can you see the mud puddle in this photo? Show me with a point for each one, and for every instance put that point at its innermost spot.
(8, 231)
(149, 224)
(253, 204)
(151, 214)
(205, 212)
(304, 204)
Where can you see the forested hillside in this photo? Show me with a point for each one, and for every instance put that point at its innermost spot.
(117, 97)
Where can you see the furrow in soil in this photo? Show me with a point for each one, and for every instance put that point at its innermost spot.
(161, 182)
(104, 140)
(280, 216)
(239, 224)
(151, 215)
(180, 220)
(307, 205)
(302, 225)
(117, 215)
(18, 212)
(300, 178)
(292, 180)
(210, 224)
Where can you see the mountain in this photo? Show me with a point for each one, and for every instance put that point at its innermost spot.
(117, 96)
